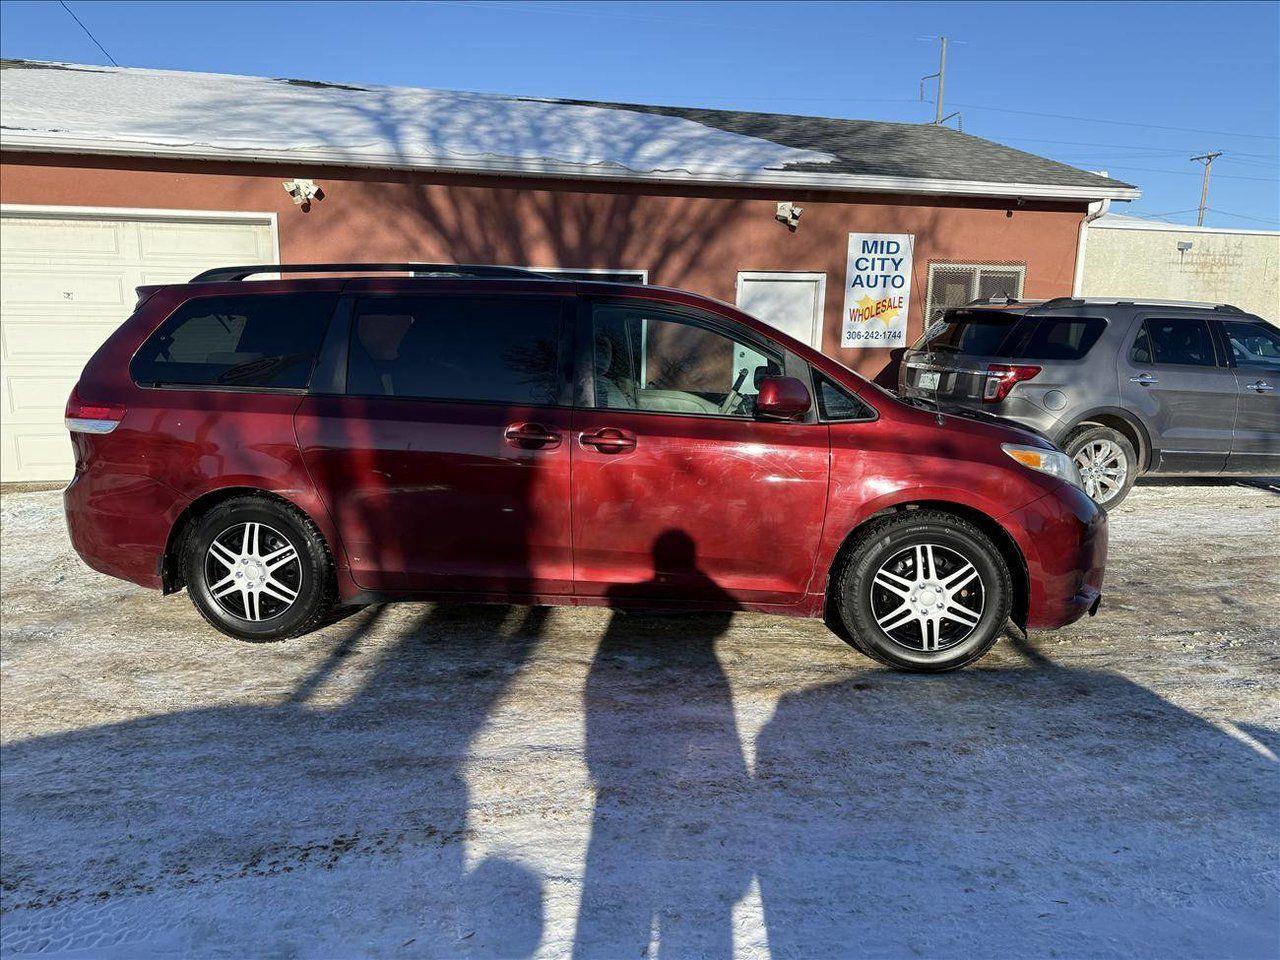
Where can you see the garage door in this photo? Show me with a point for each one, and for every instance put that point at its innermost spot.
(65, 283)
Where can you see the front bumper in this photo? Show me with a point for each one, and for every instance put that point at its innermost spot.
(1063, 538)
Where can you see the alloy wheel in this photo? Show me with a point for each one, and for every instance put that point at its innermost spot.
(1103, 469)
(254, 573)
(927, 597)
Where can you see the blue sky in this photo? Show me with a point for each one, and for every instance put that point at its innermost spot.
(1135, 89)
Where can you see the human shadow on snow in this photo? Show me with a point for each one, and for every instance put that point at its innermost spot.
(1018, 809)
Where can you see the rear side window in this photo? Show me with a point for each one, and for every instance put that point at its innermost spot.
(262, 340)
(483, 350)
(1061, 338)
(1183, 341)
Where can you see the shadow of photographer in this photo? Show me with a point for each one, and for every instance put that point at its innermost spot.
(1021, 808)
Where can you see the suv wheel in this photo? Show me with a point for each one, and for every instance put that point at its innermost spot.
(1107, 462)
(259, 570)
(924, 591)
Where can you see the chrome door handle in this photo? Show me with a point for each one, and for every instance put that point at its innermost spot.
(1145, 379)
(608, 440)
(1261, 386)
(531, 436)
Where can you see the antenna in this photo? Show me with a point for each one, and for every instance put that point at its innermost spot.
(941, 77)
(1207, 159)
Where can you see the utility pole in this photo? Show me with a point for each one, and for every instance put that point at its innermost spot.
(941, 77)
(942, 81)
(1207, 159)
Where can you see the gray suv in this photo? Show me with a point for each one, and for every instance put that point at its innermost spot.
(1125, 387)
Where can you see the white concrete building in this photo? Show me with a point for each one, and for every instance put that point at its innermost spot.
(1133, 257)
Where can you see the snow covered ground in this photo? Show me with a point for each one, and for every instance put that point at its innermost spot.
(463, 781)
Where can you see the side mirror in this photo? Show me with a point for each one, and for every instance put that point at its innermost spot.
(782, 398)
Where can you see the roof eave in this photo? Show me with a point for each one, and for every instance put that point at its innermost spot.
(538, 167)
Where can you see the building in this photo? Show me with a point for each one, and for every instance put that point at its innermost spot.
(116, 177)
(1134, 257)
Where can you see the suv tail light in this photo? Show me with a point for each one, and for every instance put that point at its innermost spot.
(84, 417)
(1001, 378)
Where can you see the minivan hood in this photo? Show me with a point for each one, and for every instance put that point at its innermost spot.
(977, 421)
(968, 413)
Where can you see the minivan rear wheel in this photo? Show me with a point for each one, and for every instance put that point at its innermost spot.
(1107, 462)
(925, 591)
(259, 570)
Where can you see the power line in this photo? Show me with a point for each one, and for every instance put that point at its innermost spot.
(1262, 158)
(1167, 213)
(1190, 173)
(89, 34)
(1122, 123)
(1242, 216)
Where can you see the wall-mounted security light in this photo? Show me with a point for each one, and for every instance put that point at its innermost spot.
(1184, 246)
(303, 192)
(789, 214)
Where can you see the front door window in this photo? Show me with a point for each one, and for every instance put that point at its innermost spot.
(658, 363)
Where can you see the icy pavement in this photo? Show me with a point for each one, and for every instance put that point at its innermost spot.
(465, 781)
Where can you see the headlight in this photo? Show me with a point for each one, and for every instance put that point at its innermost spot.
(1053, 462)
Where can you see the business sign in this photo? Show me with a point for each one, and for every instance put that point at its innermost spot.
(877, 290)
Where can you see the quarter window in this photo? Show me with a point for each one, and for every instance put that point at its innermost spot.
(1183, 341)
(837, 404)
(259, 340)
(657, 363)
(1062, 338)
(457, 348)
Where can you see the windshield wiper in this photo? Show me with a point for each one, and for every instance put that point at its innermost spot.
(259, 369)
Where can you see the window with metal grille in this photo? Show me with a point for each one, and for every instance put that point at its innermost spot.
(955, 284)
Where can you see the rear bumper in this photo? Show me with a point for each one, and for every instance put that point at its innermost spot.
(119, 524)
(1063, 538)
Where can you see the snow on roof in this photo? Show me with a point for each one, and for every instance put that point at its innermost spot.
(72, 108)
(232, 116)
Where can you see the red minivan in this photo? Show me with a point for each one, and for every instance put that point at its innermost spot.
(378, 431)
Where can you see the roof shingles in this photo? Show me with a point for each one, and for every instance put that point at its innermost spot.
(74, 108)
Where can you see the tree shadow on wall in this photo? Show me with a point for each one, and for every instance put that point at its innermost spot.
(673, 231)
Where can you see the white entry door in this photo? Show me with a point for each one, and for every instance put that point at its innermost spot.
(791, 302)
(67, 281)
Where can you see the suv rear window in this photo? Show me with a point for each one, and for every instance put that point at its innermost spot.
(977, 332)
(255, 340)
(997, 333)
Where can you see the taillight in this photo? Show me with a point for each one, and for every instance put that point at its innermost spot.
(1001, 378)
(84, 417)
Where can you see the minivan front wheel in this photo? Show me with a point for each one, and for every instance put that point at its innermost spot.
(258, 570)
(925, 591)
(1107, 462)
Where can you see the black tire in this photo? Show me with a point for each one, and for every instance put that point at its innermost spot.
(310, 577)
(955, 541)
(1089, 434)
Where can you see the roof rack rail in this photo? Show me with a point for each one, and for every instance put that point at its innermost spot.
(1003, 301)
(1139, 302)
(476, 271)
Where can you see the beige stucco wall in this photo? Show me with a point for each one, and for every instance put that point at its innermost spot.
(1241, 268)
